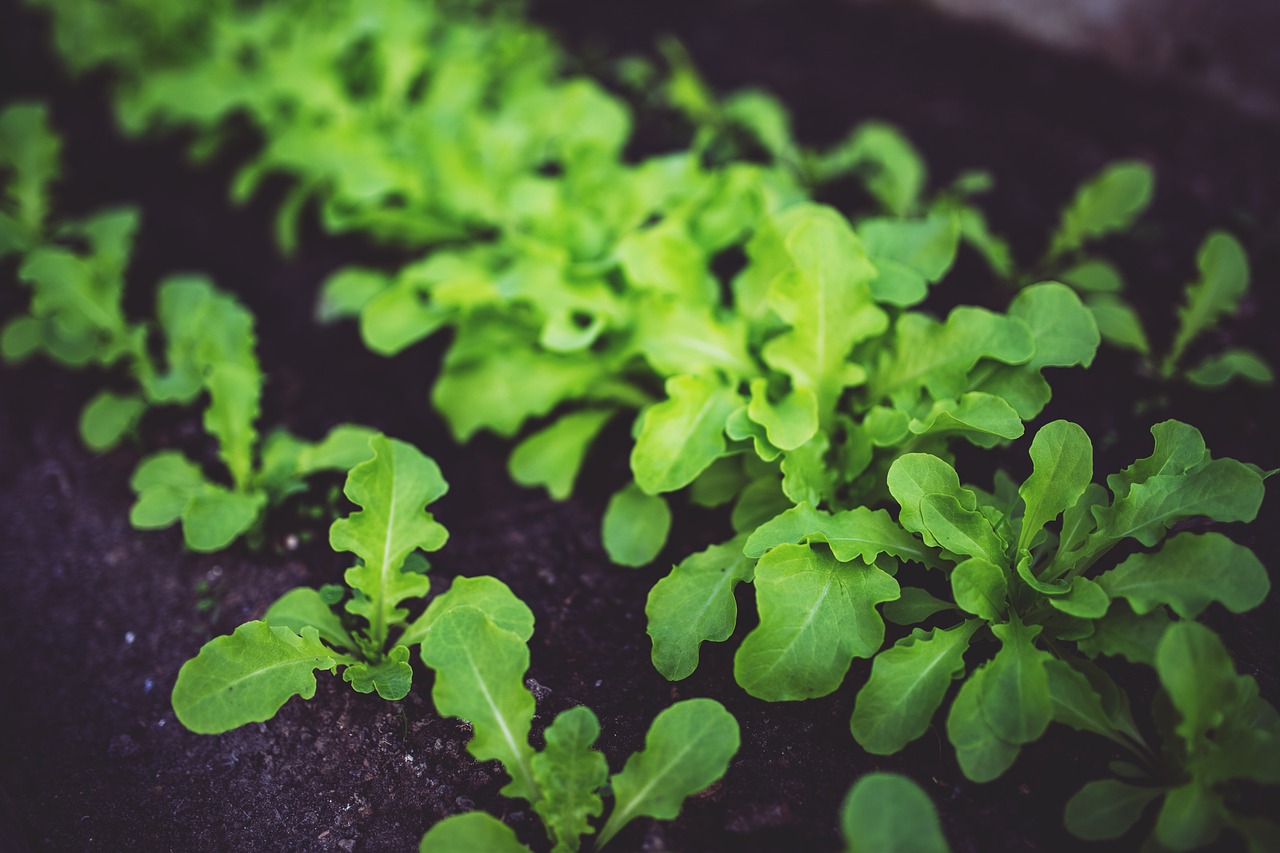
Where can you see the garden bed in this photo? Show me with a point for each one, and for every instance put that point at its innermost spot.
(97, 617)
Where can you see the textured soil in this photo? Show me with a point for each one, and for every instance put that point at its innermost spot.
(96, 618)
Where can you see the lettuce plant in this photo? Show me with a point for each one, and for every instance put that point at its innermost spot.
(476, 642)
(1051, 599)
(247, 676)
(888, 813)
(29, 152)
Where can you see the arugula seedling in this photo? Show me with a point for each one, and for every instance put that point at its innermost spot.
(475, 638)
(29, 152)
(247, 676)
(1218, 736)
(1043, 597)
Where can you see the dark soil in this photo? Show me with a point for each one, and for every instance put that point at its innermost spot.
(96, 618)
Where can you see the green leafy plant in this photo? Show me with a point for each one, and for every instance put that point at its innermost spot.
(248, 675)
(29, 152)
(1048, 597)
(479, 654)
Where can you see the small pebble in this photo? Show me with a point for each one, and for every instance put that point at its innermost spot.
(129, 637)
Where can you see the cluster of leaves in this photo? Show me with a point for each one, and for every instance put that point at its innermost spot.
(477, 646)
(200, 342)
(1110, 203)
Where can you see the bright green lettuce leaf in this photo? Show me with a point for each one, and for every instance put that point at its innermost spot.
(480, 672)
(29, 151)
(303, 607)
(915, 606)
(1107, 809)
(688, 747)
(959, 530)
(676, 336)
(247, 676)
(1221, 369)
(909, 254)
(857, 533)
(893, 170)
(912, 477)
(1187, 574)
(1077, 703)
(393, 489)
(980, 587)
(235, 392)
(825, 299)
(1110, 201)
(888, 813)
(1015, 699)
(984, 419)
(665, 258)
(635, 526)
(789, 422)
(214, 517)
(172, 488)
(807, 474)
(1224, 278)
(681, 436)
(108, 418)
(487, 594)
(346, 291)
(816, 615)
(473, 832)
(391, 675)
(1084, 598)
(983, 756)
(1093, 275)
(553, 456)
(908, 682)
(695, 604)
(1118, 322)
(1062, 463)
(568, 774)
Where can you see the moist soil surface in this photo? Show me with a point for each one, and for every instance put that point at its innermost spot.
(96, 618)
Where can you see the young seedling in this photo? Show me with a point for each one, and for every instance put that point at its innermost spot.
(247, 676)
(888, 813)
(475, 638)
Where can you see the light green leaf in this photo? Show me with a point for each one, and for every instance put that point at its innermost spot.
(857, 533)
(393, 489)
(984, 419)
(214, 517)
(681, 436)
(553, 456)
(1015, 698)
(164, 483)
(908, 682)
(1085, 599)
(981, 588)
(1062, 467)
(816, 615)
(398, 316)
(391, 677)
(694, 604)
(1125, 634)
(235, 391)
(303, 607)
(1179, 448)
(959, 530)
(480, 672)
(247, 676)
(568, 773)
(107, 418)
(635, 526)
(346, 291)
(914, 607)
(912, 476)
(825, 298)
(1093, 275)
(909, 254)
(1107, 809)
(807, 474)
(888, 813)
(893, 170)
(1108, 202)
(473, 832)
(688, 748)
(1224, 278)
(788, 423)
(1191, 817)
(983, 756)
(1118, 323)
(1188, 573)
(1219, 370)
(487, 594)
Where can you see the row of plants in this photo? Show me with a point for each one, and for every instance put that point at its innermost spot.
(774, 360)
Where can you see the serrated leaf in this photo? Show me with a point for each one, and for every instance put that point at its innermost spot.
(480, 672)
(984, 419)
(1107, 809)
(635, 526)
(826, 301)
(247, 676)
(569, 772)
(473, 832)
(888, 813)
(816, 615)
(681, 436)
(393, 489)
(1224, 278)
(908, 682)
(695, 604)
(304, 607)
(857, 533)
(1108, 202)
(688, 747)
(391, 677)
(553, 456)
(1187, 574)
(487, 594)
(235, 391)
